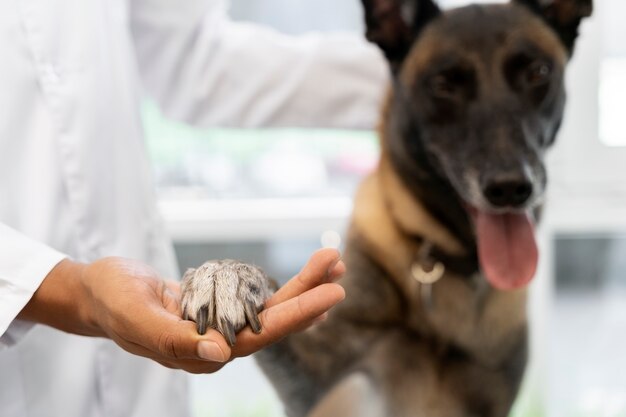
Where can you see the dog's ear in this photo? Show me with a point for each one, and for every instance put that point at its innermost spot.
(563, 15)
(394, 24)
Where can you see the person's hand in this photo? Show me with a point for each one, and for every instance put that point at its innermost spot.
(127, 302)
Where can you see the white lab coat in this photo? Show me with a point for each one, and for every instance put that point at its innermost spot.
(74, 174)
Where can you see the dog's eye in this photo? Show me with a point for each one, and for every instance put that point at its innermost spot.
(538, 73)
(453, 83)
(441, 86)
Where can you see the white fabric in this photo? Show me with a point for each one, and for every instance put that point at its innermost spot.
(208, 70)
(21, 279)
(74, 172)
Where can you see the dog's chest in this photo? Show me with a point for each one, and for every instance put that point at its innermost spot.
(467, 313)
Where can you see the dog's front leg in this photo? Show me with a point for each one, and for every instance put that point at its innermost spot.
(354, 396)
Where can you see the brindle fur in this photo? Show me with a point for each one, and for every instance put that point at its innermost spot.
(382, 352)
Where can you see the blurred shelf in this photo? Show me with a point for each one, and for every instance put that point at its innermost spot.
(588, 209)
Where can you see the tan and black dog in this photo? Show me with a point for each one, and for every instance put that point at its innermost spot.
(441, 243)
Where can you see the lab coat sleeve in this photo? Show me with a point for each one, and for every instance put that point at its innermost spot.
(24, 264)
(207, 70)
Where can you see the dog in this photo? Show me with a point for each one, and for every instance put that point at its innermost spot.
(441, 245)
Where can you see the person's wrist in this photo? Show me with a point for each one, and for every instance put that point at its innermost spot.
(60, 300)
(72, 277)
(85, 306)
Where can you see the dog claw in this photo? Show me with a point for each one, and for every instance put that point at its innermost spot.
(202, 319)
(225, 295)
(252, 315)
(228, 330)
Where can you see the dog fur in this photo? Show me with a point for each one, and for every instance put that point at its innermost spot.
(477, 97)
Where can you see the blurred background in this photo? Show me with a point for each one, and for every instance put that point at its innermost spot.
(272, 197)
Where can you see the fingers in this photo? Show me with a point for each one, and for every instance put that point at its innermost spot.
(310, 323)
(170, 296)
(194, 367)
(324, 266)
(170, 338)
(180, 342)
(289, 316)
(206, 348)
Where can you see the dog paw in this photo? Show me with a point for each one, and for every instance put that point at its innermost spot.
(225, 295)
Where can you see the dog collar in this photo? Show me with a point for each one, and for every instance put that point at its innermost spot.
(430, 265)
(427, 271)
(431, 261)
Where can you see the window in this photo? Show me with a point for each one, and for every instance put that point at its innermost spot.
(613, 74)
(586, 360)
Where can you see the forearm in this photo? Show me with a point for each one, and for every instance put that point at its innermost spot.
(213, 71)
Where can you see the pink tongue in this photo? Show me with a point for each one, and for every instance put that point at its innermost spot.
(506, 248)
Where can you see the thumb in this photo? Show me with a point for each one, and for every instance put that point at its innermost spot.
(179, 339)
(164, 335)
(207, 346)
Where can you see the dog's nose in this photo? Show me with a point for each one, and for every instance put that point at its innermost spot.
(508, 191)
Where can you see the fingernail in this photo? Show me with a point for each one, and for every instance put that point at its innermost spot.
(210, 351)
(320, 319)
